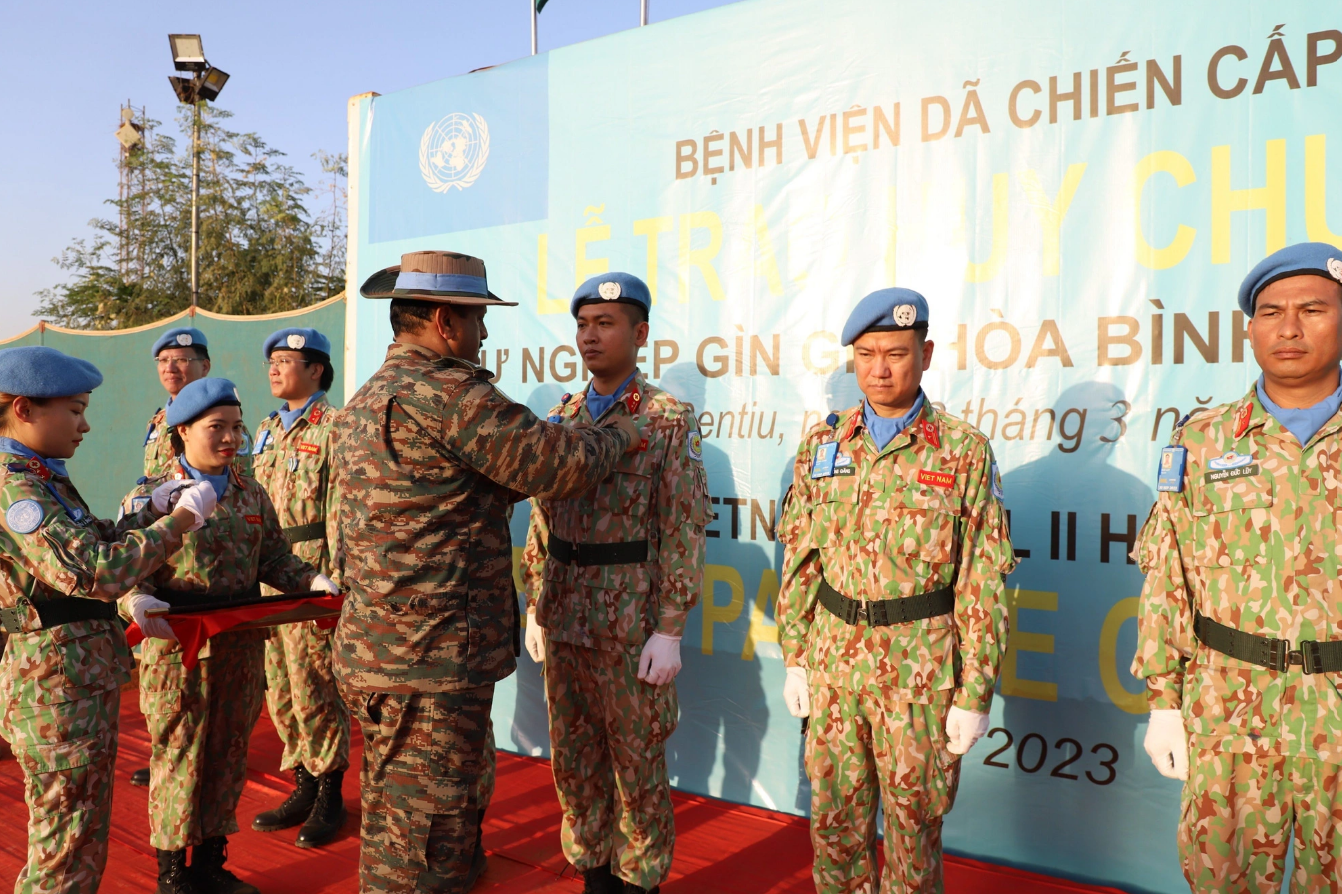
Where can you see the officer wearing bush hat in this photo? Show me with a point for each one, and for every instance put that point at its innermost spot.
(1242, 595)
(292, 461)
(862, 573)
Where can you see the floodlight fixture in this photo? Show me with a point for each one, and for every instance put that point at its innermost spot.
(185, 88)
(188, 53)
(211, 84)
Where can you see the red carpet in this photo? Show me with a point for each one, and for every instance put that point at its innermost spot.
(721, 848)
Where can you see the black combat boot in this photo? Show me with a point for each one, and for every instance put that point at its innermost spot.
(140, 777)
(295, 808)
(601, 881)
(173, 877)
(478, 860)
(208, 872)
(327, 814)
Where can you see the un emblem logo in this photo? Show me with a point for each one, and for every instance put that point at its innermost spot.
(453, 151)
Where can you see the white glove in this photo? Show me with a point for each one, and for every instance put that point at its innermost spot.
(963, 729)
(535, 638)
(157, 627)
(660, 661)
(797, 692)
(162, 496)
(324, 583)
(1167, 743)
(199, 499)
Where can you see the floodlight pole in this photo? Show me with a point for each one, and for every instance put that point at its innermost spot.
(643, 13)
(534, 45)
(195, 202)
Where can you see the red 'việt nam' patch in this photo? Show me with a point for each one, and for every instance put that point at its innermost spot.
(935, 479)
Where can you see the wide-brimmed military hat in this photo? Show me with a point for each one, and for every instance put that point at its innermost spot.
(445, 276)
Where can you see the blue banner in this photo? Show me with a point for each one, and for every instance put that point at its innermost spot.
(1076, 188)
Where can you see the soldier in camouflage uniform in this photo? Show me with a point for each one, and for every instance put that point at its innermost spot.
(291, 461)
(182, 356)
(429, 457)
(1238, 631)
(200, 719)
(610, 576)
(60, 571)
(891, 612)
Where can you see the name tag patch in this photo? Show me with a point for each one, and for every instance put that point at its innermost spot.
(253, 519)
(936, 479)
(1218, 475)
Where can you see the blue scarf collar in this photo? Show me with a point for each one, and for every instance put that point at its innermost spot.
(289, 417)
(54, 466)
(219, 482)
(883, 428)
(598, 404)
(1303, 422)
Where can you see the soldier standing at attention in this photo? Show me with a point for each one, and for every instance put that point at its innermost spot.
(1238, 630)
(200, 718)
(610, 576)
(429, 457)
(291, 460)
(891, 613)
(61, 570)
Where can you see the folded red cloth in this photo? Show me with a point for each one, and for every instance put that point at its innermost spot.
(194, 629)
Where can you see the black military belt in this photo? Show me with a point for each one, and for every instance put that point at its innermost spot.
(1312, 657)
(55, 612)
(628, 552)
(304, 533)
(884, 612)
(189, 598)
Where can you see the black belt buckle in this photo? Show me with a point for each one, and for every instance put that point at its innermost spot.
(860, 612)
(1311, 656)
(1278, 655)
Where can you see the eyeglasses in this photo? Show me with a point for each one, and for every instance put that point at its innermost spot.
(176, 362)
(284, 362)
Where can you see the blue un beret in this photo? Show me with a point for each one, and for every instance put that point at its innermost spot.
(297, 340)
(182, 337)
(885, 310)
(37, 371)
(622, 288)
(1302, 259)
(199, 396)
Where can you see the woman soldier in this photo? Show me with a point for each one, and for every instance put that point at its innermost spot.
(200, 719)
(60, 571)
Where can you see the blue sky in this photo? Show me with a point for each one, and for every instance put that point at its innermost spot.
(292, 67)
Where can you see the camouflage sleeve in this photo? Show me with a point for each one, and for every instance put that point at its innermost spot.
(279, 567)
(533, 556)
(331, 513)
(130, 518)
(74, 559)
(683, 512)
(986, 558)
(512, 446)
(801, 562)
(1164, 620)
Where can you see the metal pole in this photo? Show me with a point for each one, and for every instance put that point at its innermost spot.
(195, 203)
(643, 13)
(534, 47)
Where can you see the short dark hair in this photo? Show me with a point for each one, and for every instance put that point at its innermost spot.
(408, 315)
(328, 372)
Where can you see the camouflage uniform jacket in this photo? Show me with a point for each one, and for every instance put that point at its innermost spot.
(429, 457)
(660, 495)
(294, 468)
(242, 543)
(60, 558)
(1252, 541)
(922, 513)
(159, 460)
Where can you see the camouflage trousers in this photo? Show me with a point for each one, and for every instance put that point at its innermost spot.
(1241, 812)
(305, 705)
(423, 759)
(862, 743)
(608, 732)
(200, 724)
(484, 790)
(67, 752)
